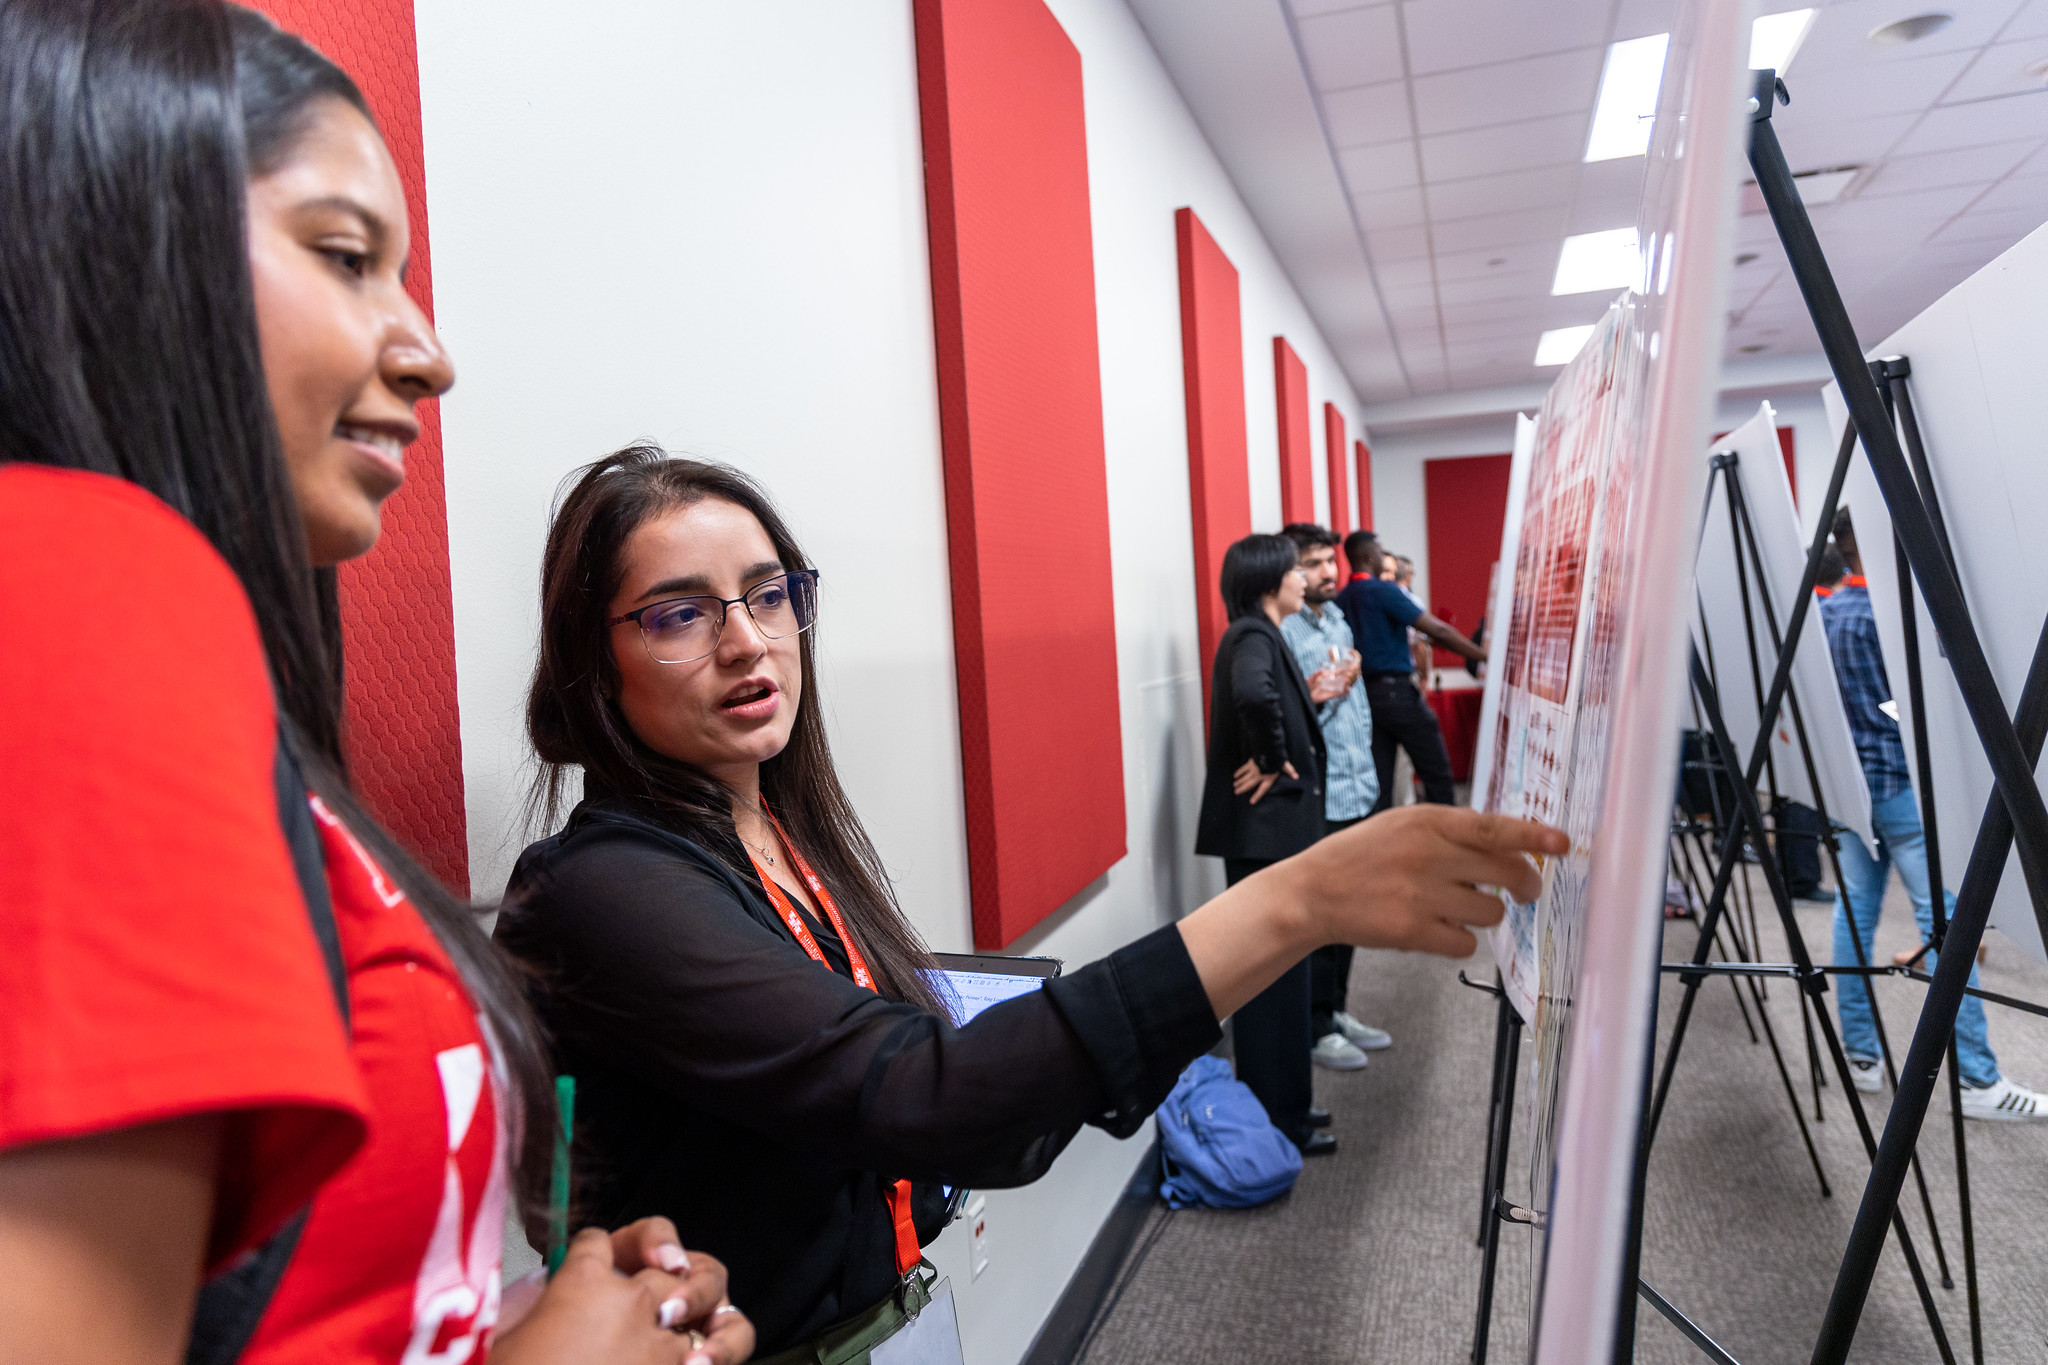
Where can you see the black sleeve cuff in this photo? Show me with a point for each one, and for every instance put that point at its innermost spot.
(1142, 1015)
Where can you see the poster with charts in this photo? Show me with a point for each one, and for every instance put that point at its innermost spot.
(1558, 488)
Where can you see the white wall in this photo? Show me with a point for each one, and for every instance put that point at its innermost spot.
(704, 223)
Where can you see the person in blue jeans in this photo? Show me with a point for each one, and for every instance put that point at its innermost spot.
(1901, 845)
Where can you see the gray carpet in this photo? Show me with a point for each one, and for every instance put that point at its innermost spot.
(1372, 1257)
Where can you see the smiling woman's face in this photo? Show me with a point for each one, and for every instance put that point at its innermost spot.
(733, 708)
(346, 352)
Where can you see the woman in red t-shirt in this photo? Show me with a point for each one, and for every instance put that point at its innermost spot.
(174, 1079)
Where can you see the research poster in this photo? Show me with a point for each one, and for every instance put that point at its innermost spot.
(1549, 680)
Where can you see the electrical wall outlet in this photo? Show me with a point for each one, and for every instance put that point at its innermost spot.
(976, 1215)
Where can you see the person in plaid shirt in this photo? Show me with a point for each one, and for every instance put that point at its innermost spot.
(1902, 845)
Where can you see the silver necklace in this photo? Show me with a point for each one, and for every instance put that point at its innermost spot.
(757, 849)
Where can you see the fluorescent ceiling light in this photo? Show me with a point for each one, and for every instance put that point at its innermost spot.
(1598, 260)
(1774, 39)
(1558, 345)
(1627, 109)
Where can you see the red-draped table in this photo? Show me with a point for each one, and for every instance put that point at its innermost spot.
(1457, 711)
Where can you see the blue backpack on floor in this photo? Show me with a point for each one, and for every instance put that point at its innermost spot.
(1217, 1144)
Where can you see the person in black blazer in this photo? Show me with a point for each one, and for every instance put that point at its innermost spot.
(1262, 801)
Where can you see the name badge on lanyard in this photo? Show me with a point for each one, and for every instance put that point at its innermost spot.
(907, 1251)
(930, 1337)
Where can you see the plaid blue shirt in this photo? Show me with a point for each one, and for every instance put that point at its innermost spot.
(1859, 671)
(1353, 783)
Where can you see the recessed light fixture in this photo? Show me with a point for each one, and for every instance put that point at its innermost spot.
(1558, 345)
(1910, 30)
(1626, 112)
(1598, 260)
(1775, 38)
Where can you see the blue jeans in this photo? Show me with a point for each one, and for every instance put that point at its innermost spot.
(1902, 845)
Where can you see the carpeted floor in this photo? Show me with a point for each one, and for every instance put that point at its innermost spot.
(1372, 1257)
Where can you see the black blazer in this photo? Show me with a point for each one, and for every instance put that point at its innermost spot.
(726, 1080)
(1259, 708)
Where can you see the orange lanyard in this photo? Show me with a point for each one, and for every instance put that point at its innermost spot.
(908, 1252)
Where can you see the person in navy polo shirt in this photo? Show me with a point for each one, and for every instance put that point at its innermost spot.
(1380, 615)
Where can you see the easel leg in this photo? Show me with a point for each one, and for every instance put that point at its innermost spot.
(1497, 1172)
(1812, 982)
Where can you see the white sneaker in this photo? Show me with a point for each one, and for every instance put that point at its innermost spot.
(1334, 1051)
(2003, 1101)
(1867, 1074)
(1364, 1037)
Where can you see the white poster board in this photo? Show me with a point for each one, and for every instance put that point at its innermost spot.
(1591, 679)
(1722, 633)
(1977, 355)
(1513, 940)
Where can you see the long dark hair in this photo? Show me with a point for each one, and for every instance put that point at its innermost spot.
(572, 718)
(128, 347)
(1253, 567)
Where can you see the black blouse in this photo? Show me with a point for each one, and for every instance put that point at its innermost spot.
(725, 1080)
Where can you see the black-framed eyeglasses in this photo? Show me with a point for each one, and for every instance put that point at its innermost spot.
(678, 630)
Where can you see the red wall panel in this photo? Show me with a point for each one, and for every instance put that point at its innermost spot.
(1020, 412)
(1297, 474)
(1212, 359)
(397, 609)
(1364, 466)
(1464, 503)
(1333, 462)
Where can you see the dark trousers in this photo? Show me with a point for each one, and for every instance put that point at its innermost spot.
(1270, 1036)
(1400, 716)
(1329, 975)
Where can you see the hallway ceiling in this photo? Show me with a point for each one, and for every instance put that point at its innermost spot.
(1417, 164)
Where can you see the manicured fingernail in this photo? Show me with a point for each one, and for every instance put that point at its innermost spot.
(701, 1358)
(670, 1313)
(670, 1257)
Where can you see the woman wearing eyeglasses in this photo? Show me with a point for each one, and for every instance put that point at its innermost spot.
(723, 966)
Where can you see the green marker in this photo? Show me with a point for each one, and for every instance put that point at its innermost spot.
(558, 1186)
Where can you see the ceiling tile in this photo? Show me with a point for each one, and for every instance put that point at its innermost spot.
(2030, 194)
(1368, 114)
(1397, 244)
(1974, 125)
(1516, 258)
(1444, 35)
(1839, 37)
(1305, 9)
(1508, 92)
(1352, 47)
(2031, 23)
(1935, 170)
(1406, 300)
(1496, 286)
(1399, 274)
(1500, 229)
(2008, 226)
(1390, 209)
(1491, 151)
(2001, 69)
(1641, 18)
(1822, 140)
(1545, 187)
(1389, 166)
(1859, 92)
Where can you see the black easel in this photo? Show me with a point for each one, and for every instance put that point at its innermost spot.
(1494, 1208)
(2015, 814)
